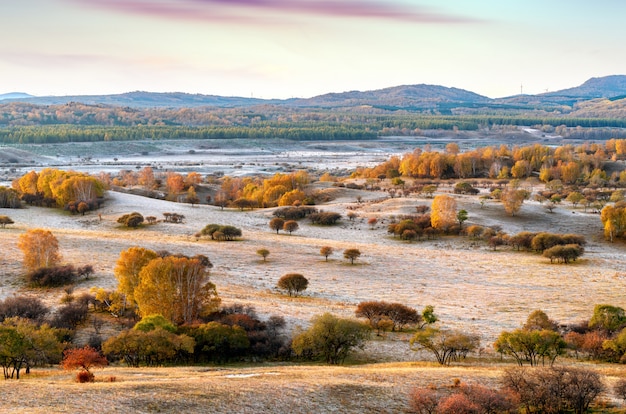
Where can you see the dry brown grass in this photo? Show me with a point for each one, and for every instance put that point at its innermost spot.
(470, 286)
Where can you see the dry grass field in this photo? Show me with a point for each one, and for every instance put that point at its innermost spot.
(470, 286)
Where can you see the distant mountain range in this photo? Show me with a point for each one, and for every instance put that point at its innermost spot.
(407, 97)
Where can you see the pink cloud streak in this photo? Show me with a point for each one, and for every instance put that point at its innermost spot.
(246, 11)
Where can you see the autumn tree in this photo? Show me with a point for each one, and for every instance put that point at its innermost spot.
(40, 248)
(85, 359)
(326, 251)
(330, 338)
(146, 178)
(132, 220)
(177, 288)
(290, 226)
(127, 269)
(293, 283)
(443, 212)
(263, 253)
(192, 197)
(351, 254)
(512, 200)
(277, 224)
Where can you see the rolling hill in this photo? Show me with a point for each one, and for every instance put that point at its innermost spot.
(406, 97)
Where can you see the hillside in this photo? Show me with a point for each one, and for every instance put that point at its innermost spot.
(417, 97)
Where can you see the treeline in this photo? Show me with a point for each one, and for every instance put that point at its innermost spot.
(583, 164)
(76, 122)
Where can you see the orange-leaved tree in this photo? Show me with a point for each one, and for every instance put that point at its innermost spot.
(84, 359)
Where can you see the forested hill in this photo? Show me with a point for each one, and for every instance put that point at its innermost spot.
(418, 98)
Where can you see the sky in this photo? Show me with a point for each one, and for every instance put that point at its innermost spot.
(303, 48)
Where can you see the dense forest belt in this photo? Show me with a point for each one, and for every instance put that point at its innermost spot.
(371, 129)
(75, 122)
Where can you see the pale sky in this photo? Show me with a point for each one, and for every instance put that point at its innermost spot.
(303, 48)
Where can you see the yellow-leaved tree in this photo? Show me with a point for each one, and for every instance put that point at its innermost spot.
(127, 269)
(443, 212)
(40, 248)
(177, 288)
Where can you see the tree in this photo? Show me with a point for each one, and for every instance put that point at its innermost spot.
(85, 359)
(4, 220)
(326, 251)
(532, 346)
(290, 226)
(24, 344)
(40, 248)
(461, 217)
(607, 317)
(575, 197)
(513, 199)
(277, 224)
(192, 197)
(554, 389)
(293, 283)
(263, 253)
(351, 254)
(177, 288)
(128, 267)
(445, 345)
(152, 347)
(443, 212)
(330, 338)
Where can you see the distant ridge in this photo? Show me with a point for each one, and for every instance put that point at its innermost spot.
(15, 95)
(406, 97)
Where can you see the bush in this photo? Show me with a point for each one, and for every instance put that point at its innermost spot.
(294, 213)
(85, 376)
(70, 316)
(24, 307)
(132, 220)
(220, 232)
(325, 218)
(52, 276)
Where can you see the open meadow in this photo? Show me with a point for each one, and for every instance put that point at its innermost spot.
(472, 288)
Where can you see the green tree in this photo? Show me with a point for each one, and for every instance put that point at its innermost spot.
(461, 217)
(532, 346)
(608, 317)
(24, 344)
(152, 322)
(330, 338)
(293, 283)
(263, 253)
(445, 345)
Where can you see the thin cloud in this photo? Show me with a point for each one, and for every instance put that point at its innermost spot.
(247, 11)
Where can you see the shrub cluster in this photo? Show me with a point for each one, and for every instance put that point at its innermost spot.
(294, 213)
(131, 220)
(9, 198)
(57, 275)
(220, 232)
(324, 218)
